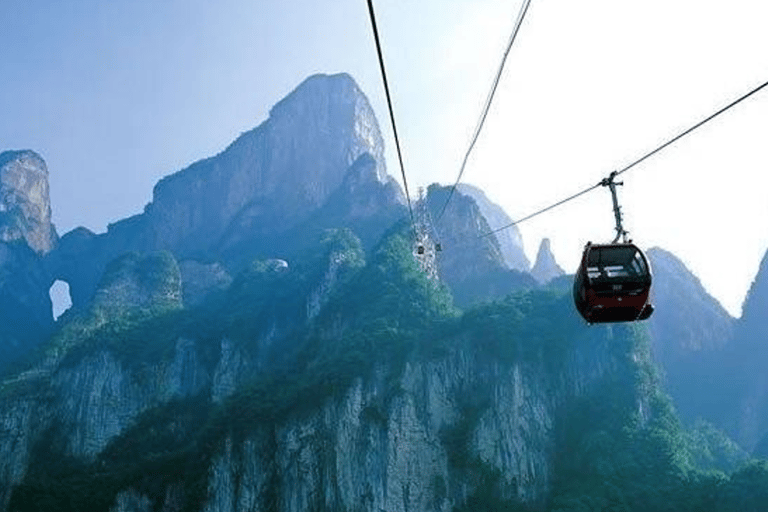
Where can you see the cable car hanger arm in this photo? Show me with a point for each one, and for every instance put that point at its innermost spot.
(636, 162)
(611, 184)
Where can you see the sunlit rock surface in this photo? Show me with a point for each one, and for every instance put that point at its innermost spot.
(317, 162)
(25, 206)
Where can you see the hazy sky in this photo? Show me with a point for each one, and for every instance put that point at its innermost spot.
(115, 95)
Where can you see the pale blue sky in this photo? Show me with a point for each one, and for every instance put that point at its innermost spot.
(116, 94)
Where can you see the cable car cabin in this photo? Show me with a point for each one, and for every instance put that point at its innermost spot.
(612, 284)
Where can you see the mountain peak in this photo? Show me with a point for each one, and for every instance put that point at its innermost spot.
(546, 268)
(675, 284)
(273, 177)
(326, 101)
(757, 296)
(25, 206)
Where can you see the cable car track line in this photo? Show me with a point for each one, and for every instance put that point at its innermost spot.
(391, 111)
(636, 162)
(692, 128)
(543, 210)
(488, 101)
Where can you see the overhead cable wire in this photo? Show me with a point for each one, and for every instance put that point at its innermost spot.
(543, 210)
(636, 162)
(692, 128)
(389, 104)
(488, 101)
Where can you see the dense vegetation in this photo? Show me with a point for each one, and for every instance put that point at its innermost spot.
(618, 448)
(176, 441)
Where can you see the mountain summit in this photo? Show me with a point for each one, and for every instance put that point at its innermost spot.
(272, 177)
(243, 202)
(25, 206)
(546, 268)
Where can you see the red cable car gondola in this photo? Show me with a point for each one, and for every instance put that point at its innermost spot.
(613, 281)
(612, 284)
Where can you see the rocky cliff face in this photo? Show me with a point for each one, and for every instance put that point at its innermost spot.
(25, 207)
(26, 233)
(471, 262)
(77, 403)
(112, 363)
(690, 332)
(271, 178)
(415, 437)
(25, 307)
(269, 188)
(546, 268)
(363, 451)
(748, 359)
(687, 318)
(510, 240)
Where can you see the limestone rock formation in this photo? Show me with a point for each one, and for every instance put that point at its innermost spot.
(26, 316)
(689, 332)
(362, 202)
(546, 268)
(470, 263)
(26, 234)
(690, 318)
(25, 207)
(748, 361)
(316, 163)
(510, 240)
(272, 177)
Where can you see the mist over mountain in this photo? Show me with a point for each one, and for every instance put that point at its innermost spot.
(473, 264)
(510, 240)
(690, 331)
(264, 336)
(546, 268)
(714, 365)
(748, 358)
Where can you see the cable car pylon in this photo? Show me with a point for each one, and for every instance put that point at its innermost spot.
(427, 243)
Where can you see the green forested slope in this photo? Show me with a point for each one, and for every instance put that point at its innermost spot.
(618, 448)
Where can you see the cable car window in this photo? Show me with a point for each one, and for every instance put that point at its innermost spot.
(616, 262)
(616, 271)
(617, 255)
(643, 268)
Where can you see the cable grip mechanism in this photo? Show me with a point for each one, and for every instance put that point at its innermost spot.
(612, 184)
